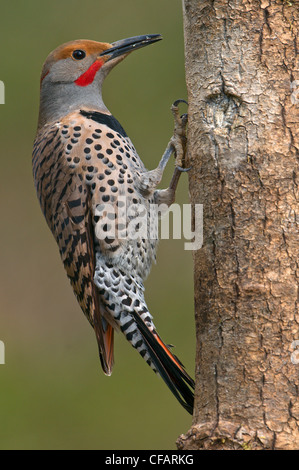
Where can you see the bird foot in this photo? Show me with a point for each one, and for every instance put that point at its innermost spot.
(179, 138)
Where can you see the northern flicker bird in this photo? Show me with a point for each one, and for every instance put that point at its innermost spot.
(87, 175)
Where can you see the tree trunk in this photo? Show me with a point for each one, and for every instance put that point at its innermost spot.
(243, 80)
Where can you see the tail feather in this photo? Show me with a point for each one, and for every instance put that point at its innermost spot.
(168, 366)
(105, 337)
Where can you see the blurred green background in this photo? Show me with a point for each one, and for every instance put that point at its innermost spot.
(53, 394)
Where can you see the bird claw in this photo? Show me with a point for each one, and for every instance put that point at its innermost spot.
(177, 102)
(183, 170)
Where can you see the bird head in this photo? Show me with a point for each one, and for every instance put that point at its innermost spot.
(73, 74)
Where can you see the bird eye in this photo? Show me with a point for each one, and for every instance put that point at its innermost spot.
(78, 54)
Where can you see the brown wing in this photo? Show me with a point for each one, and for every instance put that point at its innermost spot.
(66, 203)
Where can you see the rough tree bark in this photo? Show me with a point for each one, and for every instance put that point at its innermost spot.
(243, 80)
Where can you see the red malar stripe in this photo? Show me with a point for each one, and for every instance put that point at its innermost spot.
(88, 77)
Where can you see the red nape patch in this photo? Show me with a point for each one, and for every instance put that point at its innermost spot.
(88, 77)
(44, 76)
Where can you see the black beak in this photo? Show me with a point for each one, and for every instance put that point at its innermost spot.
(130, 44)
